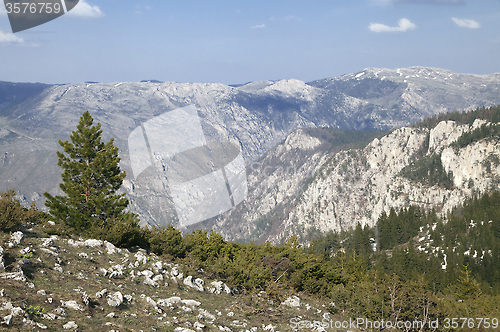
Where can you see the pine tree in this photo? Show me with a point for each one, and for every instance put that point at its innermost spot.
(467, 286)
(91, 176)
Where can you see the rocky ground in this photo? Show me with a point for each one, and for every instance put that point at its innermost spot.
(54, 283)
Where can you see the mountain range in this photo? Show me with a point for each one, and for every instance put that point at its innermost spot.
(303, 178)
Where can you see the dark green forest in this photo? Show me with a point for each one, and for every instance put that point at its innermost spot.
(491, 114)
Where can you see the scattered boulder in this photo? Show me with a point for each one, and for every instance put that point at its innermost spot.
(7, 320)
(7, 306)
(93, 243)
(199, 326)
(48, 251)
(110, 248)
(60, 311)
(170, 302)
(17, 311)
(206, 315)
(41, 326)
(141, 258)
(292, 301)
(158, 266)
(47, 242)
(115, 299)
(191, 303)
(72, 305)
(19, 275)
(70, 325)
(182, 329)
(102, 293)
(219, 287)
(17, 238)
(197, 284)
(157, 278)
(151, 301)
(50, 316)
(85, 298)
(74, 243)
(150, 282)
(25, 251)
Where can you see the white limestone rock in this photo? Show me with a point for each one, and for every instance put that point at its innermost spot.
(292, 301)
(70, 325)
(17, 238)
(171, 301)
(218, 288)
(115, 300)
(196, 284)
(72, 305)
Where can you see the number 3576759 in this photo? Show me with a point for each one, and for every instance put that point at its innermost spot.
(33, 8)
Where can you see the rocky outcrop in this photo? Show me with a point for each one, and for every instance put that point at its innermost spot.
(332, 191)
(125, 303)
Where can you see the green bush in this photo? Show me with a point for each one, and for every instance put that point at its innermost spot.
(166, 241)
(123, 231)
(12, 213)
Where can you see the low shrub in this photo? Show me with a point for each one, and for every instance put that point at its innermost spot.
(12, 213)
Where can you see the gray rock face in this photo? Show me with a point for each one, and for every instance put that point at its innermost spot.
(357, 185)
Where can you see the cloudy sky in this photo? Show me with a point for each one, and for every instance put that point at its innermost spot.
(236, 41)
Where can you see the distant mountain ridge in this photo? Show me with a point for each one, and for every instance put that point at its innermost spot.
(258, 114)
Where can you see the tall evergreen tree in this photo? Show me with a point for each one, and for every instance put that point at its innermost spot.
(91, 176)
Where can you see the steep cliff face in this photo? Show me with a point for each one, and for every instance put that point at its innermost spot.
(336, 190)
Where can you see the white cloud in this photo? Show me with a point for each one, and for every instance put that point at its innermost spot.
(85, 10)
(404, 25)
(7, 37)
(260, 26)
(471, 24)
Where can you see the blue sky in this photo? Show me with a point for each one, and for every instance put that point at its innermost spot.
(237, 41)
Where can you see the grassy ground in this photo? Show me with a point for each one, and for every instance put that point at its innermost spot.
(45, 287)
